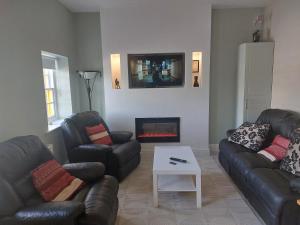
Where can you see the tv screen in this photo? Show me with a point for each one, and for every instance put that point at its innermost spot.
(156, 70)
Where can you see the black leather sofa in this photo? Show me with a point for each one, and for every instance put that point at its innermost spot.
(21, 204)
(266, 187)
(120, 158)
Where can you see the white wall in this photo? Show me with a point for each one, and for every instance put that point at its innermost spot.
(170, 26)
(230, 28)
(27, 27)
(89, 56)
(285, 31)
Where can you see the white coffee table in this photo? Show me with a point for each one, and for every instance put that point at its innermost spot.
(182, 177)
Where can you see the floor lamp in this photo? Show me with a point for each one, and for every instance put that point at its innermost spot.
(89, 78)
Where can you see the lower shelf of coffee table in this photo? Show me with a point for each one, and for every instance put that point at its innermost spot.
(176, 183)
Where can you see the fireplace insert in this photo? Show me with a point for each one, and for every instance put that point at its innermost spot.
(154, 130)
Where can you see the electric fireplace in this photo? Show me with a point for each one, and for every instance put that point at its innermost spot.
(154, 130)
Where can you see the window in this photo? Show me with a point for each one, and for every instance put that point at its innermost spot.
(50, 93)
(58, 101)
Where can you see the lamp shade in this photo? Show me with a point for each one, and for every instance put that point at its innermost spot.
(88, 75)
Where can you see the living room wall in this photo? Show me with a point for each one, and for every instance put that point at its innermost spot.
(285, 31)
(230, 28)
(89, 56)
(27, 27)
(170, 26)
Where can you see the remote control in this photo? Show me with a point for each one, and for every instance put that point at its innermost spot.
(178, 160)
(173, 163)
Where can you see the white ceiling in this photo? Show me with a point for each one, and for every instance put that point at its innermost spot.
(95, 5)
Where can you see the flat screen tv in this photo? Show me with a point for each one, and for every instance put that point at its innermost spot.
(156, 70)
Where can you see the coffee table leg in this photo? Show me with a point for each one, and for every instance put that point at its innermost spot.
(198, 193)
(155, 191)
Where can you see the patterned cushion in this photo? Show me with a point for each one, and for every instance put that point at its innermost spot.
(250, 135)
(291, 163)
(278, 150)
(99, 135)
(50, 179)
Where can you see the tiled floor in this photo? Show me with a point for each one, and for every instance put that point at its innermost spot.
(222, 203)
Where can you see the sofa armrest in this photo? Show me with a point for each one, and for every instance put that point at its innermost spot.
(121, 137)
(88, 172)
(230, 132)
(90, 153)
(60, 213)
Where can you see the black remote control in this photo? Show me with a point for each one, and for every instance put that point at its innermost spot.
(173, 163)
(178, 160)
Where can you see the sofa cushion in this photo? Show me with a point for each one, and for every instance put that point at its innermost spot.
(99, 135)
(247, 161)
(282, 122)
(230, 149)
(250, 135)
(291, 163)
(243, 159)
(277, 150)
(272, 187)
(53, 182)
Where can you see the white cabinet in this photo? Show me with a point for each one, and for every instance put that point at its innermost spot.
(254, 80)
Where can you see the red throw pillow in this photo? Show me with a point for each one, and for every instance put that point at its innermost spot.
(99, 135)
(50, 179)
(278, 150)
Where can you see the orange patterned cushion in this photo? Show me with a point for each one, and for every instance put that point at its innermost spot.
(99, 135)
(50, 179)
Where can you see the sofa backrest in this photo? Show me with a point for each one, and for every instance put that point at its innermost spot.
(283, 122)
(74, 128)
(18, 157)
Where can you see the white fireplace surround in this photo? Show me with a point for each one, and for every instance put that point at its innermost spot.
(168, 27)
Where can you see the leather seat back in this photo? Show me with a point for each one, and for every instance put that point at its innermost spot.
(283, 122)
(18, 157)
(74, 128)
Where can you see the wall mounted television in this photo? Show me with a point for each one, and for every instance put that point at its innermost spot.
(156, 70)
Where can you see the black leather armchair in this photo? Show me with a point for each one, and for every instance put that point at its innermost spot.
(120, 158)
(21, 204)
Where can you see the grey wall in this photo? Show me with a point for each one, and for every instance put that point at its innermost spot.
(285, 31)
(27, 27)
(230, 28)
(89, 56)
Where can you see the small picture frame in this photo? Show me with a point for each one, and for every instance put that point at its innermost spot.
(195, 66)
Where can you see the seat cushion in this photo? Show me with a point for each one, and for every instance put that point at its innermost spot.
(272, 187)
(230, 149)
(125, 152)
(246, 161)
(101, 202)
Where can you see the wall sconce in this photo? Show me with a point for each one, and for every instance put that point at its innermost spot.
(115, 61)
(89, 78)
(197, 68)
